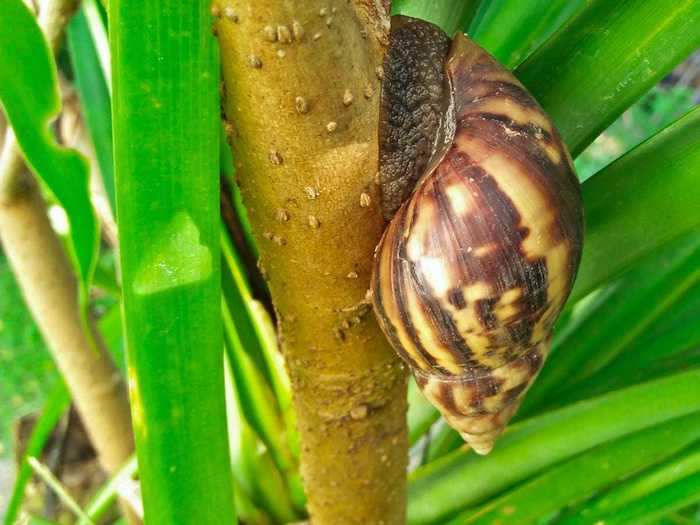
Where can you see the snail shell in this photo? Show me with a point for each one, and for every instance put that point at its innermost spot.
(485, 240)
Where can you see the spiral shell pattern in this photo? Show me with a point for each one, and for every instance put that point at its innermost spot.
(476, 265)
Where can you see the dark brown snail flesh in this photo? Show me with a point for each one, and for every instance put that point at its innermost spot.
(486, 227)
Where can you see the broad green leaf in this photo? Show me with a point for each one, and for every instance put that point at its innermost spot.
(512, 29)
(638, 487)
(578, 478)
(30, 99)
(94, 96)
(166, 146)
(605, 58)
(448, 15)
(640, 202)
(55, 406)
(462, 479)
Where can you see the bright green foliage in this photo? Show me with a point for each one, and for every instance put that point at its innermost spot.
(94, 96)
(450, 16)
(56, 405)
(461, 480)
(587, 473)
(651, 191)
(30, 98)
(512, 29)
(653, 112)
(604, 58)
(166, 130)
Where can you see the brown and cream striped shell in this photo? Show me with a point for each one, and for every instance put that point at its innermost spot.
(477, 262)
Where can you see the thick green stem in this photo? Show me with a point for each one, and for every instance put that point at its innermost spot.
(302, 97)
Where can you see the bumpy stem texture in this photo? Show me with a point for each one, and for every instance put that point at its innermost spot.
(302, 103)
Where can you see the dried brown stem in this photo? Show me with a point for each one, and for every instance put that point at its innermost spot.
(302, 94)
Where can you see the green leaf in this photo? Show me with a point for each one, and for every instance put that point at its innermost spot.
(462, 479)
(106, 496)
(94, 96)
(646, 510)
(255, 473)
(639, 202)
(30, 99)
(671, 345)
(609, 327)
(255, 398)
(512, 29)
(421, 414)
(56, 405)
(585, 474)
(166, 140)
(448, 15)
(605, 58)
(638, 487)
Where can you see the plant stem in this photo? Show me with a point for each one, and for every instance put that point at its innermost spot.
(302, 92)
(50, 289)
(49, 286)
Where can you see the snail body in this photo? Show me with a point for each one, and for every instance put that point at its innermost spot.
(486, 228)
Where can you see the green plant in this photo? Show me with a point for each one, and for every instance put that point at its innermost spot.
(606, 434)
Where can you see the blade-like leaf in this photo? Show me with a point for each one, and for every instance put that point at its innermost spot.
(30, 99)
(683, 465)
(56, 405)
(580, 477)
(646, 510)
(670, 346)
(448, 15)
(640, 201)
(605, 58)
(461, 479)
(256, 475)
(632, 303)
(512, 29)
(166, 140)
(94, 96)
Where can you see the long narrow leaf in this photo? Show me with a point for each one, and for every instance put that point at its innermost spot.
(106, 496)
(256, 476)
(626, 47)
(580, 477)
(94, 96)
(56, 405)
(511, 29)
(671, 346)
(30, 99)
(639, 202)
(673, 497)
(684, 464)
(166, 133)
(449, 15)
(644, 294)
(462, 479)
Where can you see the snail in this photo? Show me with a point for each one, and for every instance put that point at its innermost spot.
(485, 231)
